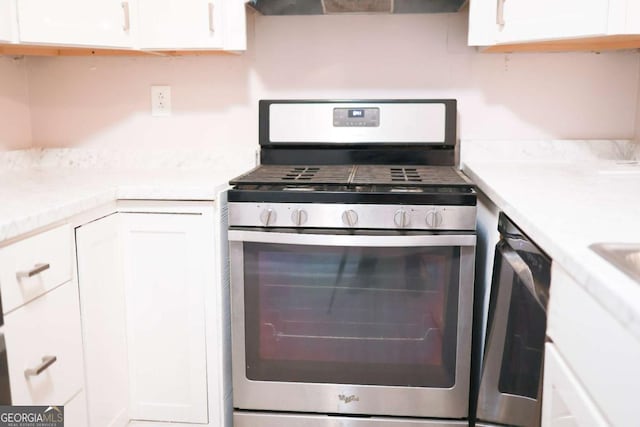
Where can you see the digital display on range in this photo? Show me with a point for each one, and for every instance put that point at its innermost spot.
(356, 117)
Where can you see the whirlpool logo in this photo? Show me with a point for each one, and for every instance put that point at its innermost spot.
(348, 399)
(31, 416)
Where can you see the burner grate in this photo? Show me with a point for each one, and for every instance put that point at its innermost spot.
(408, 175)
(301, 174)
(295, 175)
(354, 175)
(404, 175)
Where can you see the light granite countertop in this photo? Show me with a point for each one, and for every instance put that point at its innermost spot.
(31, 198)
(565, 196)
(565, 203)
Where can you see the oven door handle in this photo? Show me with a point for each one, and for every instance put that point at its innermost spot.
(523, 272)
(345, 240)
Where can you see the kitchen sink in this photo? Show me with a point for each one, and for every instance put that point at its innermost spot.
(622, 167)
(624, 256)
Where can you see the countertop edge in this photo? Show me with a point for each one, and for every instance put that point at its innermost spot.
(14, 226)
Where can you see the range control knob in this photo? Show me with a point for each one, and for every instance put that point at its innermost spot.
(267, 217)
(299, 216)
(401, 218)
(350, 218)
(434, 218)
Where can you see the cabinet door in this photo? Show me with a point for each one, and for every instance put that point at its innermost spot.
(513, 21)
(8, 21)
(164, 255)
(564, 402)
(602, 351)
(99, 23)
(179, 24)
(102, 303)
(551, 19)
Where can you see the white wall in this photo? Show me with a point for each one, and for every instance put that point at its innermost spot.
(15, 127)
(105, 101)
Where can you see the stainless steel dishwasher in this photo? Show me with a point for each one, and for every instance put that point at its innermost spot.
(511, 383)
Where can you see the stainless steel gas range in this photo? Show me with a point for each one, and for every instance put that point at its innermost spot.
(352, 254)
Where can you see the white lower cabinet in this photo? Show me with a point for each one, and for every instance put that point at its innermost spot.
(164, 255)
(44, 348)
(102, 302)
(42, 322)
(146, 277)
(565, 402)
(601, 352)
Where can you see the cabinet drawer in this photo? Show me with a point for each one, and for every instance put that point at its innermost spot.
(46, 327)
(30, 267)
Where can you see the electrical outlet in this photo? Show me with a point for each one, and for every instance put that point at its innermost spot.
(160, 101)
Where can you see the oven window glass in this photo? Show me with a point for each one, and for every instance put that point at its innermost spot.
(524, 344)
(351, 315)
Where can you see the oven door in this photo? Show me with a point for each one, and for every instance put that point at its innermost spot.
(352, 323)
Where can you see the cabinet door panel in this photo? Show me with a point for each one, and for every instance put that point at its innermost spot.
(99, 23)
(8, 21)
(102, 303)
(179, 24)
(565, 403)
(552, 19)
(588, 336)
(164, 284)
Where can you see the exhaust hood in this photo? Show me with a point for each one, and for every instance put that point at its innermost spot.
(330, 7)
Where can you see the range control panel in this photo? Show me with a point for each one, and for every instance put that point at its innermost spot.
(356, 117)
(336, 215)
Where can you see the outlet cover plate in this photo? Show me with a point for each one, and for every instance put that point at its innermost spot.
(160, 100)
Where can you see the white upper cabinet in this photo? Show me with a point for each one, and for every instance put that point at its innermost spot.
(91, 23)
(190, 24)
(180, 24)
(177, 25)
(494, 22)
(8, 21)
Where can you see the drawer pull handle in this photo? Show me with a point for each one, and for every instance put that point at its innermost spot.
(37, 269)
(46, 362)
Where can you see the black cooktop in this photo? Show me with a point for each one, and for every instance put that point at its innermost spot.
(381, 184)
(354, 175)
